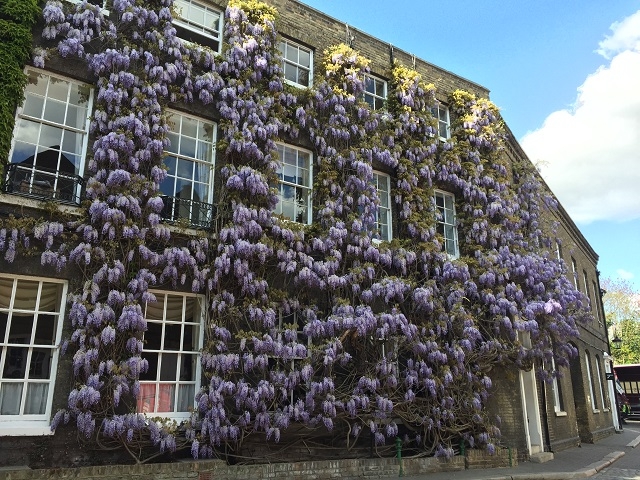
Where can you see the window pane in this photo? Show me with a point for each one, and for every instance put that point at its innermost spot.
(303, 77)
(188, 367)
(189, 127)
(79, 95)
(58, 89)
(186, 396)
(190, 338)
(175, 308)
(10, 398)
(292, 54)
(40, 365)
(196, 14)
(192, 310)
(50, 136)
(166, 397)
(174, 143)
(152, 372)
(153, 336)
(55, 111)
(45, 330)
(304, 58)
(172, 336)
(15, 365)
(33, 106)
(76, 117)
(169, 366)
(23, 152)
(147, 398)
(291, 73)
(211, 20)
(3, 326)
(37, 83)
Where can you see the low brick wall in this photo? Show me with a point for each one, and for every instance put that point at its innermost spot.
(310, 470)
(503, 457)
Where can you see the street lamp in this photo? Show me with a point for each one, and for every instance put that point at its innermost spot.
(617, 341)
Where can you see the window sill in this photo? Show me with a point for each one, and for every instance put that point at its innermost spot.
(297, 85)
(596, 410)
(25, 428)
(561, 413)
(20, 201)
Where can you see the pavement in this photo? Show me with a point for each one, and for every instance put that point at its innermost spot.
(595, 461)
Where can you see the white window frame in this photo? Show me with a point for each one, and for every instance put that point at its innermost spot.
(198, 322)
(292, 319)
(574, 269)
(599, 372)
(306, 190)
(447, 221)
(594, 400)
(31, 185)
(202, 148)
(285, 45)
(195, 26)
(31, 424)
(558, 250)
(376, 98)
(103, 7)
(558, 398)
(441, 113)
(384, 230)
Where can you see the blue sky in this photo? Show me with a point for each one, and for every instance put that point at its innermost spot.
(566, 76)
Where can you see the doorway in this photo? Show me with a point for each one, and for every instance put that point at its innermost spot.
(532, 421)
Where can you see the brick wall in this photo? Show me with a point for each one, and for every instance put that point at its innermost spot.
(504, 457)
(219, 470)
(506, 403)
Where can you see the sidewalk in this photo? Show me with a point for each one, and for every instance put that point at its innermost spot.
(577, 462)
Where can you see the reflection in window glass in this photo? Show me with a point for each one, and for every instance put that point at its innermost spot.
(50, 136)
(189, 180)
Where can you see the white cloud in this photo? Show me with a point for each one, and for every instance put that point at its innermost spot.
(623, 274)
(625, 37)
(590, 155)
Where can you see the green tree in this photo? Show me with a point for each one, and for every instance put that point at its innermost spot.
(622, 308)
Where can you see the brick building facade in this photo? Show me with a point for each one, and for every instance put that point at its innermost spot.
(46, 177)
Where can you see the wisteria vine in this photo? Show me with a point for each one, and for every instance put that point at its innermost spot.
(380, 339)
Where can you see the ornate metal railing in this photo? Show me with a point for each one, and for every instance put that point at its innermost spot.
(43, 183)
(195, 214)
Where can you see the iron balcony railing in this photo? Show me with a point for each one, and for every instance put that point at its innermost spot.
(43, 183)
(195, 214)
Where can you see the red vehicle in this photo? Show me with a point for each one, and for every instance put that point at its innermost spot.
(628, 380)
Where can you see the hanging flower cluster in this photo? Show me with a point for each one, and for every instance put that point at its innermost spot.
(326, 325)
(122, 221)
